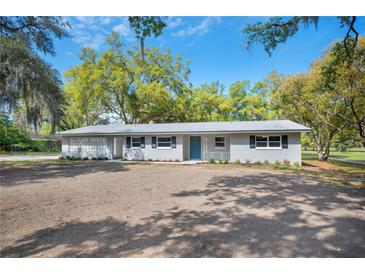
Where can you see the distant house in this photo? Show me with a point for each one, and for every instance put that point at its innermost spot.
(273, 140)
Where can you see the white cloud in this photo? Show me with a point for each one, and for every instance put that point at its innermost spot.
(123, 28)
(94, 20)
(174, 22)
(89, 31)
(203, 27)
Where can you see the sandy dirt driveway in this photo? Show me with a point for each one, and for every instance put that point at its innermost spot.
(99, 209)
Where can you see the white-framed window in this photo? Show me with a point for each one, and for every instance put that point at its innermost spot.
(136, 141)
(268, 141)
(275, 141)
(219, 142)
(163, 142)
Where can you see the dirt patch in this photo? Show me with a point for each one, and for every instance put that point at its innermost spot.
(98, 209)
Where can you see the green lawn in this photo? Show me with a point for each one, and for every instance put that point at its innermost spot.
(350, 155)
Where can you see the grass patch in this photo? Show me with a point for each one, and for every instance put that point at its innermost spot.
(349, 155)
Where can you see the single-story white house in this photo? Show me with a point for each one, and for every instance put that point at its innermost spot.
(271, 140)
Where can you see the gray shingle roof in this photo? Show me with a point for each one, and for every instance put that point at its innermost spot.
(197, 127)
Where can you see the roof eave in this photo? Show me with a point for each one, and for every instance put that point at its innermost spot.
(178, 132)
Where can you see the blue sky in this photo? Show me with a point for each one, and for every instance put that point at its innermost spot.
(214, 45)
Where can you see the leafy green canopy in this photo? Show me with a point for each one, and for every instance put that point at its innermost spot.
(277, 31)
(24, 76)
(118, 85)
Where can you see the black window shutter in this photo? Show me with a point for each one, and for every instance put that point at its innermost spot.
(128, 140)
(252, 141)
(154, 144)
(173, 141)
(142, 142)
(284, 141)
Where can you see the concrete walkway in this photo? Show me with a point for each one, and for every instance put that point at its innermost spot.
(28, 157)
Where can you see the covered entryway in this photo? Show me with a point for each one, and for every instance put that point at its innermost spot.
(195, 147)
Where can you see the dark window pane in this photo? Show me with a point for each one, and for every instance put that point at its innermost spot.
(164, 144)
(274, 138)
(164, 139)
(274, 144)
(261, 144)
(261, 138)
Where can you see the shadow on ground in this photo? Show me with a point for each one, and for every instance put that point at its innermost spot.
(263, 215)
(34, 173)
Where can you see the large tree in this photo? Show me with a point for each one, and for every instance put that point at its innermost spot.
(345, 76)
(131, 90)
(305, 98)
(24, 75)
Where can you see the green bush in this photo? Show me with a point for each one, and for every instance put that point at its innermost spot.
(225, 162)
(258, 163)
(277, 163)
(211, 161)
(237, 161)
(85, 158)
(296, 164)
(220, 162)
(46, 145)
(266, 162)
(343, 146)
(11, 136)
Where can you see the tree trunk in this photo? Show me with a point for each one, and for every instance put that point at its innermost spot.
(323, 151)
(142, 48)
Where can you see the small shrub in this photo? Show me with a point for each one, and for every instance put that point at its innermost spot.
(211, 161)
(61, 158)
(266, 162)
(286, 162)
(149, 160)
(296, 165)
(77, 158)
(177, 160)
(247, 162)
(106, 158)
(277, 163)
(100, 158)
(225, 162)
(85, 158)
(258, 163)
(95, 158)
(237, 162)
(220, 162)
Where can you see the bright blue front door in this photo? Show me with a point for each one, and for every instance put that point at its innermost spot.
(195, 148)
